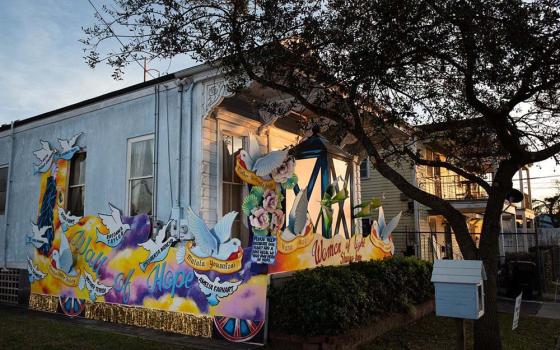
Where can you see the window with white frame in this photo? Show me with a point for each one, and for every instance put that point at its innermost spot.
(77, 184)
(140, 175)
(232, 185)
(3, 188)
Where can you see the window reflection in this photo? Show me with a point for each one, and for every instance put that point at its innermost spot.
(141, 175)
(232, 186)
(77, 184)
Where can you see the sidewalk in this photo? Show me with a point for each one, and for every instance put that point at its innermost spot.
(532, 308)
(176, 340)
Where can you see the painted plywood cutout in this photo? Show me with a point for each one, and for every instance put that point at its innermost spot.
(306, 239)
(96, 262)
(109, 266)
(309, 249)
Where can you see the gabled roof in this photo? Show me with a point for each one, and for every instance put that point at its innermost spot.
(458, 271)
(318, 142)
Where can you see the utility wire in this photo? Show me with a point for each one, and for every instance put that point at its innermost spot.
(116, 37)
(541, 177)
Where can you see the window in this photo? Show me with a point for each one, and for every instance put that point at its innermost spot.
(3, 189)
(429, 169)
(140, 175)
(232, 185)
(77, 184)
(364, 168)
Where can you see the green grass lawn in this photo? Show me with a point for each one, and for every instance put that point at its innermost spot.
(35, 331)
(32, 331)
(433, 332)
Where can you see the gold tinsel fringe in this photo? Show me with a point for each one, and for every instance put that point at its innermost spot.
(41, 302)
(168, 321)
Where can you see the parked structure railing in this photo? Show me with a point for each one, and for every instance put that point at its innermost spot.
(529, 261)
(452, 187)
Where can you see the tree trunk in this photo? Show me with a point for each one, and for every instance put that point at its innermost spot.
(487, 328)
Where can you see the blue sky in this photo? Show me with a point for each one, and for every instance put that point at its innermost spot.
(42, 66)
(41, 61)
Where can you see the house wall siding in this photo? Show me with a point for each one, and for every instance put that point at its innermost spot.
(107, 126)
(377, 186)
(209, 178)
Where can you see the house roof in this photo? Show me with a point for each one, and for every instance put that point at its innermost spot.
(318, 142)
(458, 271)
(168, 77)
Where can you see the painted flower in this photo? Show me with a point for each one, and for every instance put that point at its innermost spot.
(278, 218)
(259, 218)
(270, 200)
(284, 171)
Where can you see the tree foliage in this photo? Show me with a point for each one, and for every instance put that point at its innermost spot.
(479, 79)
(549, 206)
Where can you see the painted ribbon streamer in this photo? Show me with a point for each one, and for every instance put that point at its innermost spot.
(67, 220)
(37, 243)
(211, 263)
(94, 287)
(33, 271)
(287, 247)
(71, 281)
(214, 290)
(159, 254)
(112, 239)
(252, 178)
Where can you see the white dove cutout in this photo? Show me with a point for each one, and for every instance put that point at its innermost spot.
(214, 290)
(66, 219)
(94, 287)
(63, 258)
(181, 247)
(38, 238)
(215, 242)
(68, 147)
(297, 220)
(158, 248)
(384, 230)
(261, 165)
(116, 227)
(34, 274)
(45, 156)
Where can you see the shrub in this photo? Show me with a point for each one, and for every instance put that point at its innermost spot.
(331, 300)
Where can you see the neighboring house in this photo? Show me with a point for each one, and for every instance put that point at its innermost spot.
(427, 235)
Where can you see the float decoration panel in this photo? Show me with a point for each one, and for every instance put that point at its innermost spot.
(110, 267)
(312, 181)
(199, 282)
